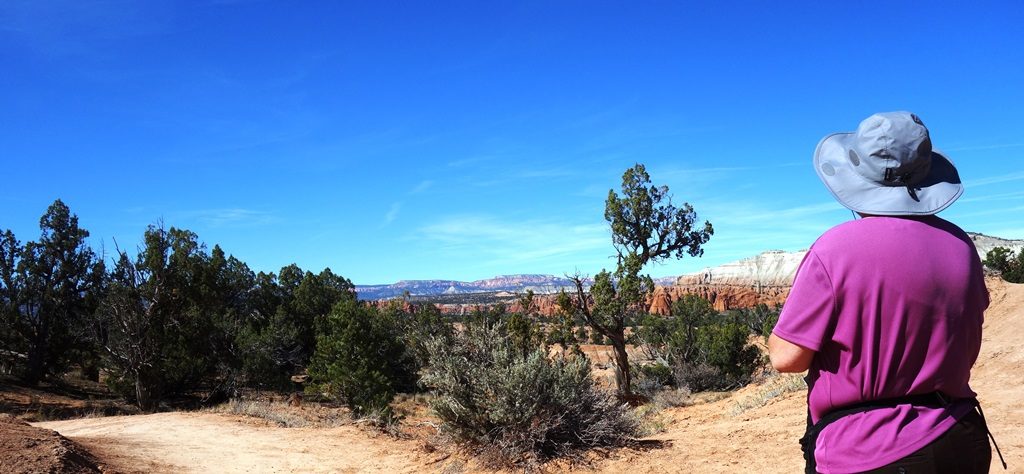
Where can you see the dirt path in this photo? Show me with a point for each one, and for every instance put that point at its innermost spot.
(721, 436)
(210, 442)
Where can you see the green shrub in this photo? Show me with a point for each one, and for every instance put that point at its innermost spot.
(1010, 268)
(360, 359)
(706, 350)
(723, 347)
(760, 319)
(581, 334)
(526, 335)
(652, 378)
(525, 407)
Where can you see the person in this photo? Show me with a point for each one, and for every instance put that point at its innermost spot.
(886, 311)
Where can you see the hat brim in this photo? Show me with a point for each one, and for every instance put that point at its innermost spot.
(934, 193)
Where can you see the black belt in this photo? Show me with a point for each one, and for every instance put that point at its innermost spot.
(933, 399)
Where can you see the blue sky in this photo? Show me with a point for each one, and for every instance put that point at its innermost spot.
(462, 140)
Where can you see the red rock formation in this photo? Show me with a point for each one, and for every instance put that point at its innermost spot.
(722, 297)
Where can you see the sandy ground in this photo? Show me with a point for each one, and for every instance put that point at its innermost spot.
(751, 431)
(25, 448)
(213, 442)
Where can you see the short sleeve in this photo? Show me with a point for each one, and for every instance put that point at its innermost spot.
(807, 316)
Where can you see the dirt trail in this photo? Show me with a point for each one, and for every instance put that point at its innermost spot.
(706, 438)
(211, 442)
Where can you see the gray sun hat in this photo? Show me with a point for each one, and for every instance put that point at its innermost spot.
(888, 168)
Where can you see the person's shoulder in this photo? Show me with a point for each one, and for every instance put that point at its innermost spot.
(860, 232)
(840, 234)
(949, 227)
(953, 232)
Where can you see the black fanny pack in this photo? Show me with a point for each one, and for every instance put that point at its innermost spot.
(933, 399)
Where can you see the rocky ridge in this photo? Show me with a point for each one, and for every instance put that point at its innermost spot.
(540, 284)
(764, 278)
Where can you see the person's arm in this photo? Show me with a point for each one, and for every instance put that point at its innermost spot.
(807, 319)
(788, 357)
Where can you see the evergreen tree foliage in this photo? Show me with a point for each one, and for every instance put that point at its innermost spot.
(760, 319)
(526, 335)
(360, 359)
(155, 339)
(172, 318)
(288, 311)
(1010, 267)
(11, 291)
(581, 334)
(646, 228)
(705, 349)
(228, 303)
(46, 293)
(416, 327)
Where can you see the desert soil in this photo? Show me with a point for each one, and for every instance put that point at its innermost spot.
(752, 430)
(26, 448)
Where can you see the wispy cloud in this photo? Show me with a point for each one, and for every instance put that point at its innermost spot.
(230, 217)
(1003, 211)
(746, 228)
(994, 197)
(746, 214)
(994, 179)
(545, 173)
(996, 146)
(423, 186)
(720, 171)
(392, 212)
(593, 191)
(526, 244)
(469, 161)
(1009, 232)
(71, 27)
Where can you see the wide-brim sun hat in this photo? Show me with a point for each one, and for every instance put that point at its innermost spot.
(887, 167)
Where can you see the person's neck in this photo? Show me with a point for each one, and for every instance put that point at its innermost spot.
(915, 217)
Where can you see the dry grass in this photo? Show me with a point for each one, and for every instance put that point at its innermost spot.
(286, 416)
(653, 419)
(59, 400)
(652, 416)
(772, 388)
(412, 405)
(670, 398)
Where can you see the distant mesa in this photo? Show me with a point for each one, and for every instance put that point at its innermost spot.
(764, 278)
(540, 284)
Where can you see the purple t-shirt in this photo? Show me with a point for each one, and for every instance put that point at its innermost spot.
(892, 307)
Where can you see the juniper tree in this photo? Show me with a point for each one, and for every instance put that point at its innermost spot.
(360, 358)
(47, 286)
(646, 228)
(150, 314)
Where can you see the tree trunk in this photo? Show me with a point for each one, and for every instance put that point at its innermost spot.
(623, 378)
(91, 371)
(36, 368)
(143, 393)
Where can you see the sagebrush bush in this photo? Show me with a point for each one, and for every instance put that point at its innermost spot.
(527, 407)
